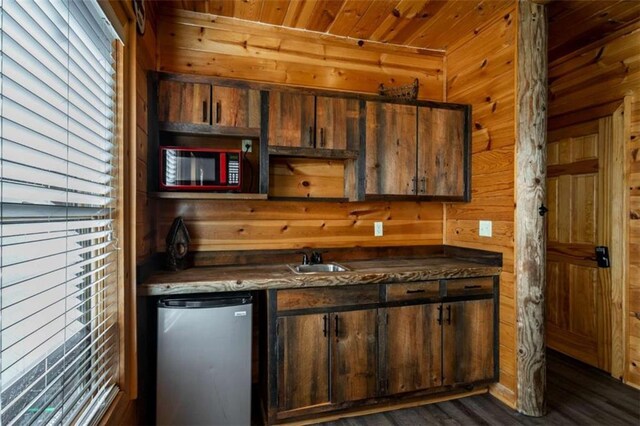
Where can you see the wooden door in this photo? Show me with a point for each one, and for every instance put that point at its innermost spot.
(441, 151)
(412, 348)
(468, 341)
(337, 123)
(180, 102)
(354, 355)
(291, 120)
(391, 149)
(303, 361)
(236, 107)
(578, 321)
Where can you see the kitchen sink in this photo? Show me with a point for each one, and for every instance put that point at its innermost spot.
(318, 268)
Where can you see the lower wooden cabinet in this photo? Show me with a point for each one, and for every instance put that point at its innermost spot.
(303, 361)
(334, 351)
(412, 348)
(326, 358)
(468, 341)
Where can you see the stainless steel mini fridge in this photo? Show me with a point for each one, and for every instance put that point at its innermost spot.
(204, 360)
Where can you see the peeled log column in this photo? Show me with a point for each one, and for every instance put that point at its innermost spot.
(530, 244)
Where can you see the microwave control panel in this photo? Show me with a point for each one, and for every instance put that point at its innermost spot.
(234, 169)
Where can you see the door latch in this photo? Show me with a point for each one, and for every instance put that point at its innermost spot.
(602, 257)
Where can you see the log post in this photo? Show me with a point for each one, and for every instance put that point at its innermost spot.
(530, 239)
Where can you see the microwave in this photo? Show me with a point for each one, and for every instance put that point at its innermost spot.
(190, 169)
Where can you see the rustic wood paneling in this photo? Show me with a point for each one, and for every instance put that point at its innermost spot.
(145, 61)
(481, 72)
(254, 225)
(196, 43)
(591, 81)
(306, 178)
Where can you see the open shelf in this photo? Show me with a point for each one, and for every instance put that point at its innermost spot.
(208, 129)
(208, 196)
(340, 154)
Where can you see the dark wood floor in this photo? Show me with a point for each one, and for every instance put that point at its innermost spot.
(577, 395)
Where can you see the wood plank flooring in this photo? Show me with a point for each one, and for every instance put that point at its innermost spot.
(577, 395)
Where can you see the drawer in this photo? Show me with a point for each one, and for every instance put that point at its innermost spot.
(470, 286)
(308, 298)
(412, 291)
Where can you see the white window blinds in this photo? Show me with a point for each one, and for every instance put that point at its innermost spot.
(58, 306)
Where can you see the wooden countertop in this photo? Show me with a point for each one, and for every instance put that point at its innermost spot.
(262, 277)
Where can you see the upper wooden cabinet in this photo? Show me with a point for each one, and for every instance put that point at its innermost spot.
(417, 151)
(306, 121)
(441, 159)
(236, 107)
(391, 149)
(218, 107)
(291, 120)
(337, 123)
(181, 102)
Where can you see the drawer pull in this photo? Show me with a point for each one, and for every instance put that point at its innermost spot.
(336, 325)
(449, 314)
(440, 315)
(415, 291)
(466, 287)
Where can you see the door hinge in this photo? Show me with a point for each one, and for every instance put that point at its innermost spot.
(542, 210)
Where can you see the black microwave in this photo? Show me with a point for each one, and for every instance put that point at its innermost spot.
(200, 169)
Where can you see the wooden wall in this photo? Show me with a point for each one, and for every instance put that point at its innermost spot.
(589, 83)
(146, 60)
(481, 72)
(216, 46)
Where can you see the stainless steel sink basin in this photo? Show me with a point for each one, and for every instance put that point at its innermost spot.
(318, 268)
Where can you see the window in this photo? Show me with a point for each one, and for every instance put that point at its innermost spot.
(58, 282)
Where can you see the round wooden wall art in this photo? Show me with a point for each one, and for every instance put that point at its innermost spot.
(141, 15)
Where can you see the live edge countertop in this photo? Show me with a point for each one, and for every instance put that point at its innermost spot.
(279, 276)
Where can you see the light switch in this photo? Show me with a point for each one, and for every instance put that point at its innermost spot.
(377, 229)
(485, 228)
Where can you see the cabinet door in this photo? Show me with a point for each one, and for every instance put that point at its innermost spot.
(303, 361)
(468, 341)
(291, 118)
(391, 149)
(180, 102)
(440, 151)
(337, 123)
(236, 107)
(354, 355)
(413, 348)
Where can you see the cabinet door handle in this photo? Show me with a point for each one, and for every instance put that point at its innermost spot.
(218, 111)
(415, 291)
(324, 325)
(423, 185)
(322, 137)
(440, 315)
(449, 314)
(337, 322)
(415, 184)
(311, 136)
(205, 119)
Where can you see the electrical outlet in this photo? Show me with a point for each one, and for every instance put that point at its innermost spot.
(378, 230)
(247, 144)
(484, 230)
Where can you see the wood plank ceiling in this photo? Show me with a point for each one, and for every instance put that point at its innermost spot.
(432, 24)
(576, 23)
